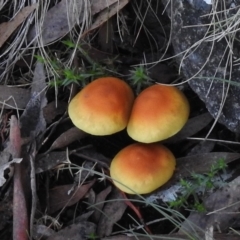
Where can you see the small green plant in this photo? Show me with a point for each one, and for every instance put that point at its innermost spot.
(139, 76)
(198, 186)
(92, 236)
(67, 76)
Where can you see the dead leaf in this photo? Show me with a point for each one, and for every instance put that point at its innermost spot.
(222, 210)
(97, 55)
(82, 218)
(100, 5)
(32, 121)
(39, 80)
(67, 138)
(100, 203)
(52, 110)
(202, 147)
(92, 155)
(42, 231)
(13, 97)
(79, 231)
(107, 13)
(65, 195)
(7, 28)
(61, 18)
(113, 211)
(49, 161)
(193, 126)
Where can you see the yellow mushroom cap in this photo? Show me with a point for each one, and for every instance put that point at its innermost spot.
(103, 107)
(158, 113)
(141, 168)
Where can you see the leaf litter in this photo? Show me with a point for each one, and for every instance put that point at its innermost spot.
(13, 97)
(7, 28)
(109, 206)
(61, 18)
(66, 195)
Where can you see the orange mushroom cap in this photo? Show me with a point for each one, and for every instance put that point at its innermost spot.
(141, 168)
(158, 113)
(103, 107)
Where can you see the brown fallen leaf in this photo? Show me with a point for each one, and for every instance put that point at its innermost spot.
(92, 155)
(67, 138)
(49, 161)
(13, 97)
(42, 231)
(112, 212)
(202, 147)
(107, 13)
(58, 21)
(79, 231)
(100, 5)
(52, 110)
(65, 195)
(61, 18)
(7, 28)
(39, 79)
(98, 56)
(100, 203)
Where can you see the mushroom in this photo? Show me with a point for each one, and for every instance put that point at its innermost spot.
(103, 107)
(141, 168)
(158, 113)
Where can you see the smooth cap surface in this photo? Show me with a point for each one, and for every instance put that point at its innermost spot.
(158, 113)
(103, 107)
(142, 168)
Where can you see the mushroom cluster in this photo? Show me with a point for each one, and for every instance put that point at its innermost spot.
(107, 105)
